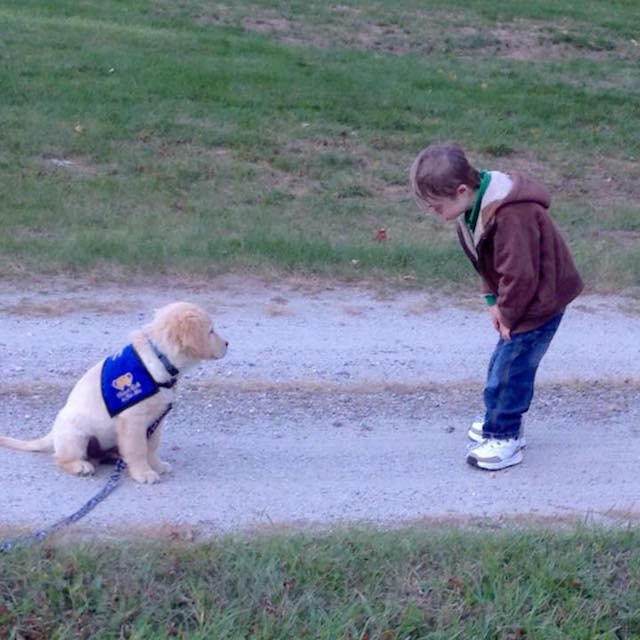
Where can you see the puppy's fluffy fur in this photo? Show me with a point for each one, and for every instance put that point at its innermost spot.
(183, 332)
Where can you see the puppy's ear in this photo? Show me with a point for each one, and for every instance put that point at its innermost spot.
(192, 335)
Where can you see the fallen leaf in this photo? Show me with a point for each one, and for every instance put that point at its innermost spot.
(380, 235)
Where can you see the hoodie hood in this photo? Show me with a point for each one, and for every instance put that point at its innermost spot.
(505, 190)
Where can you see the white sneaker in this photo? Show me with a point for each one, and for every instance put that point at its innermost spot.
(495, 453)
(475, 432)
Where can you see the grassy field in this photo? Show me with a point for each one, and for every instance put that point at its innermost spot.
(275, 137)
(355, 585)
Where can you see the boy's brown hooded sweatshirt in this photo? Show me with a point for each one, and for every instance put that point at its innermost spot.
(520, 254)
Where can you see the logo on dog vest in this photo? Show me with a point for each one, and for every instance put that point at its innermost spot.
(125, 381)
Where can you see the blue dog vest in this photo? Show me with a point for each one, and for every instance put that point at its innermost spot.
(125, 381)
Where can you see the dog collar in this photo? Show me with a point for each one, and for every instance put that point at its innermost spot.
(171, 370)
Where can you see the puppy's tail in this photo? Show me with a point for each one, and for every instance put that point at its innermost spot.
(39, 444)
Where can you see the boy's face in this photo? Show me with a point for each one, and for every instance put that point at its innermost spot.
(448, 207)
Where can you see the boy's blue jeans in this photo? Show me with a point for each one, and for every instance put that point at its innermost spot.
(510, 378)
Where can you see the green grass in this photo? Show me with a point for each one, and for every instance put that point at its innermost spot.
(405, 584)
(197, 138)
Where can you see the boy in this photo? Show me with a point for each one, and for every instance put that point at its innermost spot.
(527, 277)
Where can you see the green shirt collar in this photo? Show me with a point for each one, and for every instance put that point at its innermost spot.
(471, 215)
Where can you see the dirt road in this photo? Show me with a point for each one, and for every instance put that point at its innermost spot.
(333, 405)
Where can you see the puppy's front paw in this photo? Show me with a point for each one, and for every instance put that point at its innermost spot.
(81, 467)
(145, 476)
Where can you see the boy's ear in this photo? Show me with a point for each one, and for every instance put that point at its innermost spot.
(463, 190)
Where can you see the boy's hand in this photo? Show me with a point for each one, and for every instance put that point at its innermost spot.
(498, 324)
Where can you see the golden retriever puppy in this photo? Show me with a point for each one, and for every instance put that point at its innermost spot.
(116, 401)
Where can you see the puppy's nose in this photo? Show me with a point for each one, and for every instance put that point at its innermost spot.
(226, 343)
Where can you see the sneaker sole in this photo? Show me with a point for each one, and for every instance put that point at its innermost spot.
(516, 458)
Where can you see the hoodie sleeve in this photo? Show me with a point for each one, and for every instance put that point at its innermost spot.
(485, 287)
(516, 260)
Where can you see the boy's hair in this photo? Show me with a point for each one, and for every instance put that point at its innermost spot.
(439, 170)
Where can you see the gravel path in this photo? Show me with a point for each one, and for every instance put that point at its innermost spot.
(333, 405)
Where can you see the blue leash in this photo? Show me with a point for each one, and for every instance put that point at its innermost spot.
(112, 483)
